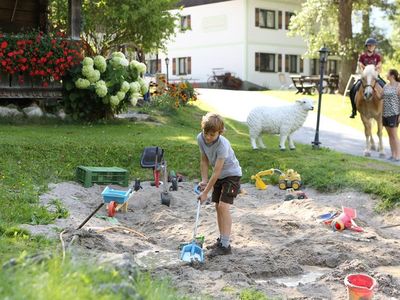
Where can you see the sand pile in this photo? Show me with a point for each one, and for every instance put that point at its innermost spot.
(278, 246)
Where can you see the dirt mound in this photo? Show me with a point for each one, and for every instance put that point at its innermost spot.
(278, 246)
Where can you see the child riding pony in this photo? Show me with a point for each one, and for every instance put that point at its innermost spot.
(369, 57)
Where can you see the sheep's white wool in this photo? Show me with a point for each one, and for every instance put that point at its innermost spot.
(282, 120)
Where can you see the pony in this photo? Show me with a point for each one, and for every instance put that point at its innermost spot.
(369, 105)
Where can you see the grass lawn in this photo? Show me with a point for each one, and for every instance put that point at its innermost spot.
(332, 107)
(34, 155)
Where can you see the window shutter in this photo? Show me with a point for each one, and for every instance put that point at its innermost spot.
(189, 65)
(287, 63)
(159, 66)
(301, 65)
(189, 22)
(257, 61)
(257, 17)
(280, 19)
(174, 66)
(279, 62)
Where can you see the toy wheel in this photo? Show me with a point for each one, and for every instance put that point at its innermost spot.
(295, 185)
(111, 208)
(282, 185)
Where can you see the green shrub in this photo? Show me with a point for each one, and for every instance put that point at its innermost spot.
(249, 294)
(99, 88)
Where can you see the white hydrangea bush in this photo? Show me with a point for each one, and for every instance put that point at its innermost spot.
(110, 83)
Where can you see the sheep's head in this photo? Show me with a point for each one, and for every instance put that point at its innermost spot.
(306, 104)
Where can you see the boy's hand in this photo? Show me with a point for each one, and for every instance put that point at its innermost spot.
(202, 185)
(202, 197)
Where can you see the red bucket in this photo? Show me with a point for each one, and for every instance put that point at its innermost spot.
(360, 287)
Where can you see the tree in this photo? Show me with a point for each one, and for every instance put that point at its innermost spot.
(329, 23)
(139, 25)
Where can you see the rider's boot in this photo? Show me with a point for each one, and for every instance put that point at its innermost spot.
(353, 102)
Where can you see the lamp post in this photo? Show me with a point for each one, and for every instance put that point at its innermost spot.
(323, 56)
(166, 64)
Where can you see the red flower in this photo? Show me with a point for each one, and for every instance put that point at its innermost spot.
(3, 63)
(4, 45)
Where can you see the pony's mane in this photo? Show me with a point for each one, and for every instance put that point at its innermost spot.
(370, 71)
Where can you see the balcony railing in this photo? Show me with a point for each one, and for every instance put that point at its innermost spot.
(15, 86)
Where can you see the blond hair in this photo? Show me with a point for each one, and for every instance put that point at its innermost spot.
(212, 122)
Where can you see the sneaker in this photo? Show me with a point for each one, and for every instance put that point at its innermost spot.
(215, 245)
(220, 250)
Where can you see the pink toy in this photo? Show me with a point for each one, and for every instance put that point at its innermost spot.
(345, 220)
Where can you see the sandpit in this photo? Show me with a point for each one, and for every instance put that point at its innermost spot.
(279, 247)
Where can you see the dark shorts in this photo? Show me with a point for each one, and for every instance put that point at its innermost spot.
(392, 121)
(226, 189)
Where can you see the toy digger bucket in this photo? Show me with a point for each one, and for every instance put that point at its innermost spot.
(192, 253)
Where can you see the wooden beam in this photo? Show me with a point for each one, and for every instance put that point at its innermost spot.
(74, 18)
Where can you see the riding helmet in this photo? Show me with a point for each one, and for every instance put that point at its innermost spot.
(370, 41)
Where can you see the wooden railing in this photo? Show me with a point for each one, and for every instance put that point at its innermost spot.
(11, 86)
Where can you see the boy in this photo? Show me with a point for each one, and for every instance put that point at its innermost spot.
(225, 180)
(369, 57)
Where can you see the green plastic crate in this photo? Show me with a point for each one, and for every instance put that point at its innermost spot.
(99, 175)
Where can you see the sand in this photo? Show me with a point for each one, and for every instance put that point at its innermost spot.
(278, 246)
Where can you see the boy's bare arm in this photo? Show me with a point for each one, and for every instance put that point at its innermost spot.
(204, 163)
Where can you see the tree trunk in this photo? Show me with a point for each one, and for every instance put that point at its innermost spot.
(366, 29)
(140, 55)
(349, 61)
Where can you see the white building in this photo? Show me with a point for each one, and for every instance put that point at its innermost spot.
(246, 37)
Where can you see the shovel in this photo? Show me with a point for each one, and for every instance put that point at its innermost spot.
(193, 252)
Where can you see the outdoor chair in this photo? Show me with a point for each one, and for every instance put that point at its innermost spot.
(333, 83)
(283, 82)
(302, 86)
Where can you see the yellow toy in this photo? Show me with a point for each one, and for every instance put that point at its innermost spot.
(259, 182)
(288, 180)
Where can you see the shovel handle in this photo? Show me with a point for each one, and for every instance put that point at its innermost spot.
(91, 215)
(197, 220)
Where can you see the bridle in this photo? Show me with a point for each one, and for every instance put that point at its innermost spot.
(369, 85)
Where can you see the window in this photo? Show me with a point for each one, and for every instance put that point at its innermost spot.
(182, 66)
(186, 23)
(331, 67)
(265, 18)
(314, 66)
(279, 62)
(265, 62)
(154, 66)
(280, 20)
(291, 63)
(288, 15)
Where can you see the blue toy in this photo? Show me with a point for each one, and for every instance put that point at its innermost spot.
(193, 252)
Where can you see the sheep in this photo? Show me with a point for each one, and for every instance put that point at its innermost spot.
(282, 120)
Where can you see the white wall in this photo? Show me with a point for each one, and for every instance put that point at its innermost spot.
(216, 40)
(274, 41)
(224, 35)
